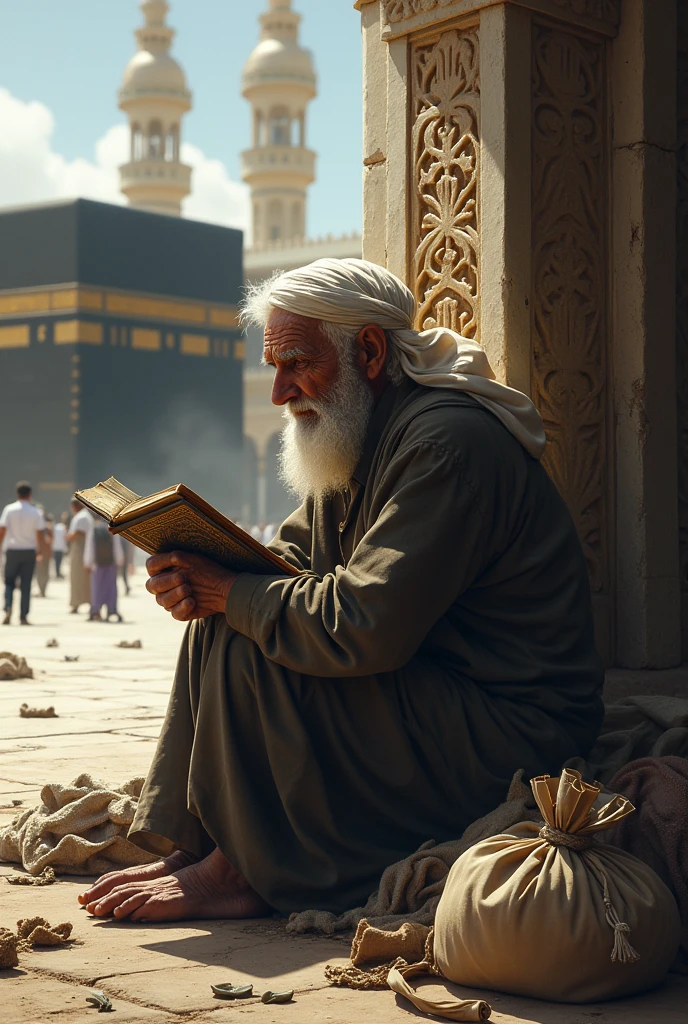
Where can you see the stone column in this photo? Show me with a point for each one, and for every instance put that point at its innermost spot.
(682, 310)
(489, 166)
(644, 329)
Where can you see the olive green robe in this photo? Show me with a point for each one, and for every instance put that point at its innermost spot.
(440, 639)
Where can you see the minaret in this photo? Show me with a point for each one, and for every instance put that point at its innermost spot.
(155, 97)
(278, 81)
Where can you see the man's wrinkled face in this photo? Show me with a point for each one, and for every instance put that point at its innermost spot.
(327, 404)
(305, 360)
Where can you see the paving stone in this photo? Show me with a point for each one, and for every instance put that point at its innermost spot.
(111, 705)
(330, 1005)
(108, 947)
(30, 998)
(289, 963)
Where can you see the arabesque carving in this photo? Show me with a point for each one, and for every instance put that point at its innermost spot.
(446, 104)
(400, 10)
(569, 320)
(682, 294)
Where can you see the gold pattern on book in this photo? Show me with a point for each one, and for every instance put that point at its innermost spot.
(183, 529)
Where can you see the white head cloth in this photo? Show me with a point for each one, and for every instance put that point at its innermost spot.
(356, 293)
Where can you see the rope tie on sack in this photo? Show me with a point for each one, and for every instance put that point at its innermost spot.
(555, 837)
(622, 952)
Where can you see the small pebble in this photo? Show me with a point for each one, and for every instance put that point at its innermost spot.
(229, 991)
(277, 997)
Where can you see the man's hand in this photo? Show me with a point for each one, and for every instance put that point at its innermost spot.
(188, 586)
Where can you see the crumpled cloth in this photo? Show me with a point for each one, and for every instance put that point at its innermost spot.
(658, 831)
(635, 727)
(410, 889)
(12, 666)
(80, 829)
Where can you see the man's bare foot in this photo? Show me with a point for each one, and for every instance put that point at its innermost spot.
(210, 888)
(142, 872)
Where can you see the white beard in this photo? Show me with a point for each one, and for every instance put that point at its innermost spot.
(319, 452)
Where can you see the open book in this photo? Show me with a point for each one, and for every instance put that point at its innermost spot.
(177, 519)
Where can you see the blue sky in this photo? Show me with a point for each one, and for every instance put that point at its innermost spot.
(68, 55)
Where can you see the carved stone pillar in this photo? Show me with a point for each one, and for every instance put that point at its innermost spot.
(489, 169)
(682, 311)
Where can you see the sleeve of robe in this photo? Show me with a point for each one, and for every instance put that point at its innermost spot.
(293, 539)
(428, 542)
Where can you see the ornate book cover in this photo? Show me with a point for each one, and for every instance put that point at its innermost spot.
(178, 519)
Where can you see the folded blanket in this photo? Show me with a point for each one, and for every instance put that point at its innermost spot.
(635, 727)
(658, 831)
(79, 829)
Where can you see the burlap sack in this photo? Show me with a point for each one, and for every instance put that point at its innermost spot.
(548, 912)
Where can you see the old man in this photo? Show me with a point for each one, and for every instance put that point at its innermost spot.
(440, 637)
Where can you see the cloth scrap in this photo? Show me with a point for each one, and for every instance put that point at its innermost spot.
(36, 931)
(371, 943)
(46, 877)
(80, 829)
(26, 712)
(32, 931)
(8, 948)
(383, 948)
(12, 666)
(130, 644)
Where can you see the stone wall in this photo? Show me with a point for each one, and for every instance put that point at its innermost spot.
(682, 309)
(517, 174)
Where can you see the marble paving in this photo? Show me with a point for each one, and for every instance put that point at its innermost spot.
(111, 704)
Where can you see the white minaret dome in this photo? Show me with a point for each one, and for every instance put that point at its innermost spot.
(276, 59)
(278, 56)
(154, 95)
(279, 81)
(151, 72)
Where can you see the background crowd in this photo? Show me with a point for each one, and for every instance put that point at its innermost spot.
(33, 543)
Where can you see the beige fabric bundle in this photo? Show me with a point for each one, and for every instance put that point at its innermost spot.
(79, 829)
(547, 912)
(390, 953)
(13, 666)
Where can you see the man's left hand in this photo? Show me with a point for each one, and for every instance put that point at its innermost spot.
(188, 586)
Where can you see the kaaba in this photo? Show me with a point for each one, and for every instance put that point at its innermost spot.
(120, 352)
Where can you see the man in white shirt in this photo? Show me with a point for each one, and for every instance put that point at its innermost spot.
(22, 536)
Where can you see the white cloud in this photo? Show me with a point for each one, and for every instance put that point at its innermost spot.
(31, 171)
(214, 196)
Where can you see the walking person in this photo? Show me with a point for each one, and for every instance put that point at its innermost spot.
(79, 578)
(43, 564)
(103, 555)
(22, 536)
(128, 564)
(59, 544)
